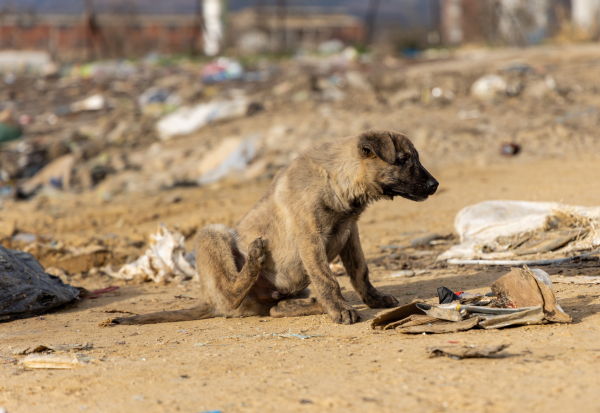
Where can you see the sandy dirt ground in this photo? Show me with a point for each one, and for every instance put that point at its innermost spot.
(248, 365)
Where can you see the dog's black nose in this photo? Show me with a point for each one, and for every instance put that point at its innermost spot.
(432, 183)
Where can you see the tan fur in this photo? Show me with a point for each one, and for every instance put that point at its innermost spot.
(307, 218)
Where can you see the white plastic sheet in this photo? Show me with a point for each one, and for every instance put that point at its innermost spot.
(481, 224)
(163, 261)
(233, 154)
(187, 119)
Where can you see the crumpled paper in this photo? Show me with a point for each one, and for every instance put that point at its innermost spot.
(164, 261)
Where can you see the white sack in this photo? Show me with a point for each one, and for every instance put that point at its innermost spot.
(482, 223)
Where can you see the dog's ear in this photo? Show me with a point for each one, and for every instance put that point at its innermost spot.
(378, 143)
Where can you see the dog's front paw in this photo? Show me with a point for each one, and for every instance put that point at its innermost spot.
(379, 300)
(343, 314)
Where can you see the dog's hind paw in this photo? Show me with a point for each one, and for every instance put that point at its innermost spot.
(257, 251)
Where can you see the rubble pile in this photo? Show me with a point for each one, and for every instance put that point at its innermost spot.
(147, 126)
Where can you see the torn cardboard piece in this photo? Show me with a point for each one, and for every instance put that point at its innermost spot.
(530, 316)
(442, 327)
(386, 317)
(440, 312)
(413, 320)
(521, 288)
(51, 361)
(463, 352)
(56, 347)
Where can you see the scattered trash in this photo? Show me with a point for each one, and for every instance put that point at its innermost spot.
(97, 293)
(26, 238)
(48, 348)
(462, 352)
(300, 336)
(233, 154)
(440, 313)
(9, 129)
(426, 239)
(440, 327)
(580, 279)
(92, 103)
(521, 297)
(51, 361)
(504, 230)
(512, 263)
(157, 101)
(183, 297)
(163, 261)
(510, 149)
(488, 87)
(26, 290)
(469, 114)
(186, 120)
(117, 311)
(402, 274)
(63, 260)
(446, 296)
(56, 174)
(522, 288)
(221, 70)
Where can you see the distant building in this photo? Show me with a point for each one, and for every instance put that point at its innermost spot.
(273, 29)
(102, 35)
(586, 16)
(513, 22)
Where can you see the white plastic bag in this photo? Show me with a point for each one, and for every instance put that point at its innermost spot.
(187, 119)
(164, 261)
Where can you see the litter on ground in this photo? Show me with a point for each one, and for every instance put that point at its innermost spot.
(521, 297)
(523, 233)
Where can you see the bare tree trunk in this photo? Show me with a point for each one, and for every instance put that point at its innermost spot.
(282, 12)
(259, 16)
(370, 20)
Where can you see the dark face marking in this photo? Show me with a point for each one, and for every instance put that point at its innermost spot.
(395, 162)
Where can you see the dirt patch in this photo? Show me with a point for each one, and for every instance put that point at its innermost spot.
(257, 364)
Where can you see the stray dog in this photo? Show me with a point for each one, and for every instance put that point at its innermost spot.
(307, 218)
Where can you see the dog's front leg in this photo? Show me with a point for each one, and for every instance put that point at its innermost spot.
(356, 266)
(312, 253)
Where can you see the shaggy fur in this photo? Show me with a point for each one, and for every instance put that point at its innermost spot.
(307, 218)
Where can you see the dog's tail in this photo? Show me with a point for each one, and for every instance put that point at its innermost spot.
(199, 312)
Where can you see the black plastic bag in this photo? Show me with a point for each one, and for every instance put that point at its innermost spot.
(446, 296)
(25, 288)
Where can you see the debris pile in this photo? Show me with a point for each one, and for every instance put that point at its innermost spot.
(134, 124)
(521, 297)
(519, 232)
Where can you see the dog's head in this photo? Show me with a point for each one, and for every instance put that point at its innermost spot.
(392, 163)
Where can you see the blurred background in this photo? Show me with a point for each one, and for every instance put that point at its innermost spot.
(103, 102)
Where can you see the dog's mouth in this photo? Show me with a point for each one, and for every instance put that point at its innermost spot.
(406, 195)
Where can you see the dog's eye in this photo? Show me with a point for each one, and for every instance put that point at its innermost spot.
(366, 151)
(401, 161)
